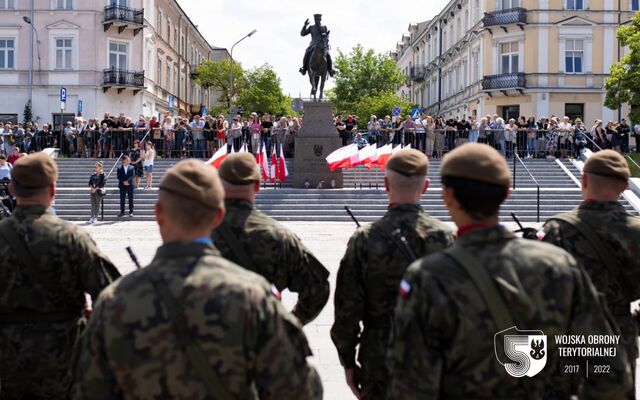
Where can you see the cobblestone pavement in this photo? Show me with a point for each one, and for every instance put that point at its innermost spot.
(327, 241)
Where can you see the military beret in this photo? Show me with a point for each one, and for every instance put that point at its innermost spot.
(240, 169)
(196, 181)
(35, 171)
(409, 162)
(608, 163)
(478, 162)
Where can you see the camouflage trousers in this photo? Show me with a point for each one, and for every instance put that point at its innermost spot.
(372, 358)
(36, 360)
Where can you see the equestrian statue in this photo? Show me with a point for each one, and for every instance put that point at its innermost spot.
(317, 60)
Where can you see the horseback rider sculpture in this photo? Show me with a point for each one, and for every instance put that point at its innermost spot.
(316, 30)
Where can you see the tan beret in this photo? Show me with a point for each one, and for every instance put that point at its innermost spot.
(35, 171)
(240, 169)
(478, 162)
(608, 163)
(409, 162)
(196, 181)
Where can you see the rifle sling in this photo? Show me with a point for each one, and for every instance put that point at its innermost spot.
(483, 282)
(396, 237)
(31, 266)
(234, 245)
(196, 356)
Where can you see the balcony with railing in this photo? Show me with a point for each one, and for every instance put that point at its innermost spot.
(122, 79)
(417, 73)
(123, 17)
(516, 15)
(513, 81)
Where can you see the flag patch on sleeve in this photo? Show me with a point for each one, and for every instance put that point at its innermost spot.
(405, 289)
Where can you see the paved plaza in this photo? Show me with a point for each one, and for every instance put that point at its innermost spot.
(327, 241)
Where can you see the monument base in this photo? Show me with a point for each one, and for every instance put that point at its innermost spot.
(317, 139)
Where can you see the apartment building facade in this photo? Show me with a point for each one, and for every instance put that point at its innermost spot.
(519, 57)
(115, 56)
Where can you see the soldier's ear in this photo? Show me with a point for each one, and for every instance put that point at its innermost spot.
(256, 187)
(426, 185)
(386, 184)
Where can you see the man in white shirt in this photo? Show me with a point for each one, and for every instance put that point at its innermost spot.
(421, 133)
(5, 168)
(197, 128)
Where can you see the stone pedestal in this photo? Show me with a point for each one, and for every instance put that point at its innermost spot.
(317, 139)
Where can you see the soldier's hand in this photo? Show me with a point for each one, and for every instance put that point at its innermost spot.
(306, 22)
(353, 380)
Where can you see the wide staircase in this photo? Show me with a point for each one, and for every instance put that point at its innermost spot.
(363, 192)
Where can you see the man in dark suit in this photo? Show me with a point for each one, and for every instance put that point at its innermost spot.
(125, 184)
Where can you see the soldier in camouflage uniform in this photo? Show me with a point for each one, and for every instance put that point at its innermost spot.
(46, 267)
(605, 177)
(193, 325)
(260, 244)
(371, 269)
(442, 345)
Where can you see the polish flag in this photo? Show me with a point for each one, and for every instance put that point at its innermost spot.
(264, 163)
(218, 157)
(384, 153)
(274, 165)
(380, 152)
(344, 157)
(283, 172)
(366, 154)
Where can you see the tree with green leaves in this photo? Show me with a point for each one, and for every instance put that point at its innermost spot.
(361, 77)
(215, 75)
(623, 84)
(27, 113)
(263, 93)
(379, 104)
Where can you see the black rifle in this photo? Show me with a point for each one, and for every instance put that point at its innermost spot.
(133, 257)
(353, 217)
(527, 233)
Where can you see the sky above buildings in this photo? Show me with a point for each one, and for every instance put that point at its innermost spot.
(374, 24)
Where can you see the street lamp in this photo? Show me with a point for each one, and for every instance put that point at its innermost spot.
(33, 29)
(231, 72)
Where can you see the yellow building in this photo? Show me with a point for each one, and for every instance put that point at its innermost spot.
(518, 57)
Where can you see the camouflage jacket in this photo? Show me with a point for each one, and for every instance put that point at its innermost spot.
(130, 350)
(368, 278)
(38, 326)
(442, 345)
(620, 232)
(278, 255)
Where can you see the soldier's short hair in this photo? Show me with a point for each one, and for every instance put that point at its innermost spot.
(478, 199)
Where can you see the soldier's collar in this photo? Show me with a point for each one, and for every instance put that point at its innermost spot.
(31, 210)
(479, 234)
(238, 203)
(405, 207)
(185, 249)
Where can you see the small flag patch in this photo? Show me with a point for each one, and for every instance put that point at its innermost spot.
(540, 234)
(405, 289)
(276, 292)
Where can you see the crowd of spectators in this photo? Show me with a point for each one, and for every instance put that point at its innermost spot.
(173, 137)
(528, 137)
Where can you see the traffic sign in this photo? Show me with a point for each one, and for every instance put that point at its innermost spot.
(396, 111)
(297, 105)
(63, 95)
(79, 106)
(205, 112)
(170, 101)
(415, 112)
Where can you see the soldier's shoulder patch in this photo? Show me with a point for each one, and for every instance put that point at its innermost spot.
(541, 234)
(405, 289)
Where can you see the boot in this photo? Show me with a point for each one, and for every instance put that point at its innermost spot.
(332, 72)
(303, 70)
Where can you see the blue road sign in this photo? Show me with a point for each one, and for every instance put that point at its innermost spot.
(396, 111)
(79, 106)
(63, 95)
(170, 100)
(205, 112)
(415, 112)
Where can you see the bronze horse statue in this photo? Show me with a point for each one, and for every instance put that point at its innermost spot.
(318, 66)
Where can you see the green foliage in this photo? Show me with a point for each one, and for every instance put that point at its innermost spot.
(263, 93)
(215, 74)
(623, 84)
(379, 104)
(363, 74)
(27, 113)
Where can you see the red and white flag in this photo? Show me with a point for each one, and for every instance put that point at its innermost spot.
(264, 163)
(366, 154)
(283, 172)
(218, 157)
(343, 157)
(383, 154)
(274, 165)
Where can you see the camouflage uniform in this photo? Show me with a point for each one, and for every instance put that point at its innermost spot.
(38, 328)
(130, 350)
(442, 342)
(367, 288)
(620, 232)
(278, 255)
